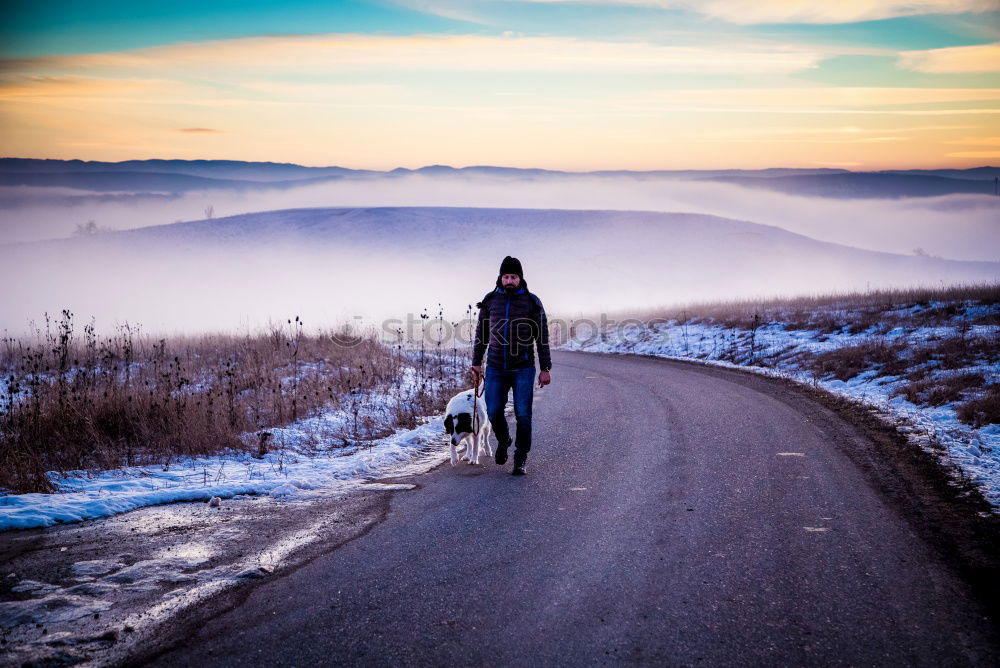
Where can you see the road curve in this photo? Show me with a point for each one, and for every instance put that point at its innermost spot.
(672, 514)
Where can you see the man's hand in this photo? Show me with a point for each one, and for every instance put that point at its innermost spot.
(477, 374)
(544, 379)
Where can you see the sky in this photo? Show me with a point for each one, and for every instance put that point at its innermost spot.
(558, 84)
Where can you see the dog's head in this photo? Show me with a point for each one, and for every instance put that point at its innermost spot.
(458, 426)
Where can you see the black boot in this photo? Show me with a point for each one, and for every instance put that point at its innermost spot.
(501, 454)
(519, 468)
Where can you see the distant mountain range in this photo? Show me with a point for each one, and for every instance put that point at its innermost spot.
(866, 184)
(179, 176)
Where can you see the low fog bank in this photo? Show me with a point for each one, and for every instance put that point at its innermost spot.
(965, 227)
(366, 266)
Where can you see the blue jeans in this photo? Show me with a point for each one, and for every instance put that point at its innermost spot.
(498, 384)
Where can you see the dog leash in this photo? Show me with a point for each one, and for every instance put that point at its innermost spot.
(475, 389)
(475, 401)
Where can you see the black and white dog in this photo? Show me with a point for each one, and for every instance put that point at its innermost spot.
(466, 420)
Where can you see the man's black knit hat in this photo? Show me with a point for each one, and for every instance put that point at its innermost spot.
(511, 265)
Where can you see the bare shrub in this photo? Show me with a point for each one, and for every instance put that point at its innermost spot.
(982, 410)
(90, 229)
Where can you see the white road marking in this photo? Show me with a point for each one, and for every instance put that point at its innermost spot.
(791, 454)
(578, 489)
(816, 529)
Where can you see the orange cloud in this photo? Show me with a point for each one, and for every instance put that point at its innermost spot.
(977, 141)
(70, 86)
(978, 58)
(975, 154)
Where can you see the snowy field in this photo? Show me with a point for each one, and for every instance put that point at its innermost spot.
(774, 349)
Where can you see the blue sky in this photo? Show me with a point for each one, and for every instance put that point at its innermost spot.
(70, 26)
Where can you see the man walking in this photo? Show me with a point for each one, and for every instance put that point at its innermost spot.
(512, 321)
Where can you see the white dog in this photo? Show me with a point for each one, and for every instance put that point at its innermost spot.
(466, 420)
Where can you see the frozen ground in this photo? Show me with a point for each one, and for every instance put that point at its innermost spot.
(778, 350)
(96, 592)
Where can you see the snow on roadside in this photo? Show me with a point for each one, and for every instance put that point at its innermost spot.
(974, 451)
(299, 465)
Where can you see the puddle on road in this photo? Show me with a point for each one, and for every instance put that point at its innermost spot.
(95, 567)
(160, 519)
(389, 486)
(50, 609)
(196, 552)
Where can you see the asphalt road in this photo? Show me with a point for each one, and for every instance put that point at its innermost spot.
(672, 515)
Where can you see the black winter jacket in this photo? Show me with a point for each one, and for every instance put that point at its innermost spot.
(511, 324)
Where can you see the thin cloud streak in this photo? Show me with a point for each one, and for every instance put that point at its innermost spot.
(812, 97)
(764, 11)
(333, 52)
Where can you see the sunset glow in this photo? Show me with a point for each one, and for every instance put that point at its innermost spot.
(562, 85)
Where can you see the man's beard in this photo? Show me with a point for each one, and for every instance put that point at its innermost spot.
(509, 288)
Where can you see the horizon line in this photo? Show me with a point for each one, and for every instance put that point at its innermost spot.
(487, 166)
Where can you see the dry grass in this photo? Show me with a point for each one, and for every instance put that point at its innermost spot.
(983, 410)
(941, 390)
(95, 402)
(956, 352)
(850, 361)
(854, 312)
